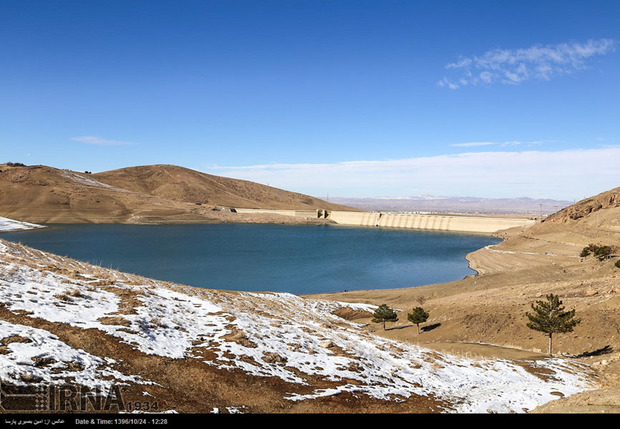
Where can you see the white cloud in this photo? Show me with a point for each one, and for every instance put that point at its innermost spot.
(518, 65)
(503, 144)
(472, 144)
(101, 141)
(568, 174)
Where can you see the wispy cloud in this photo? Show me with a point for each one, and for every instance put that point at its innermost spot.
(500, 144)
(517, 65)
(563, 174)
(101, 141)
(473, 144)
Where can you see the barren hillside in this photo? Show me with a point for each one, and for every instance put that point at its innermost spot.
(603, 201)
(147, 194)
(184, 185)
(484, 314)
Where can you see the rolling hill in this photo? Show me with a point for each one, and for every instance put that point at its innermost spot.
(143, 194)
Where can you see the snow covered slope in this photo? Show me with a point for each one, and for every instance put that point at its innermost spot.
(299, 341)
(7, 225)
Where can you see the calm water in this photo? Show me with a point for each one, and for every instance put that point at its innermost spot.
(282, 258)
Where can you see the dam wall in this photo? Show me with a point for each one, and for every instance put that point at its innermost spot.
(431, 222)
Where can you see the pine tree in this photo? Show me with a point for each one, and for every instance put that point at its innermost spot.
(418, 316)
(383, 314)
(549, 317)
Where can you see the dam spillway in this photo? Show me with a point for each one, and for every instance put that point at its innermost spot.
(432, 222)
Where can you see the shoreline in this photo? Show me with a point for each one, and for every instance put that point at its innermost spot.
(478, 369)
(460, 266)
(474, 224)
(480, 316)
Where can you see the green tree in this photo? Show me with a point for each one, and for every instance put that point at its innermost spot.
(418, 316)
(383, 314)
(551, 318)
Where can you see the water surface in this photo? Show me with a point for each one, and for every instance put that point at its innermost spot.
(298, 259)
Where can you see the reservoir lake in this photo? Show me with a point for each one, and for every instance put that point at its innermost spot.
(299, 259)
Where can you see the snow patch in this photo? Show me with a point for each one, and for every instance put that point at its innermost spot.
(8, 225)
(278, 335)
(88, 181)
(35, 355)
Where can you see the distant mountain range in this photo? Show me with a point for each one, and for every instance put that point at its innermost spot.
(469, 205)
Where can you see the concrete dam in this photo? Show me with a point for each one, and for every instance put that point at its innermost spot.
(432, 222)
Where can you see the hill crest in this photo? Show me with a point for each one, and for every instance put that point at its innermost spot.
(144, 194)
(605, 200)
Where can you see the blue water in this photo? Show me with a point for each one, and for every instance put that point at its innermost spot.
(255, 257)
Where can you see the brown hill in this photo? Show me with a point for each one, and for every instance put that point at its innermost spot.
(594, 220)
(145, 194)
(184, 185)
(606, 200)
(484, 314)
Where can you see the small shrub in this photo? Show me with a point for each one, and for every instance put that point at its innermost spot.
(600, 252)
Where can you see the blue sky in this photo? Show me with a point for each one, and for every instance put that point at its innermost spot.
(328, 98)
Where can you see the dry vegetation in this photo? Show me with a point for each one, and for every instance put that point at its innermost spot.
(484, 314)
